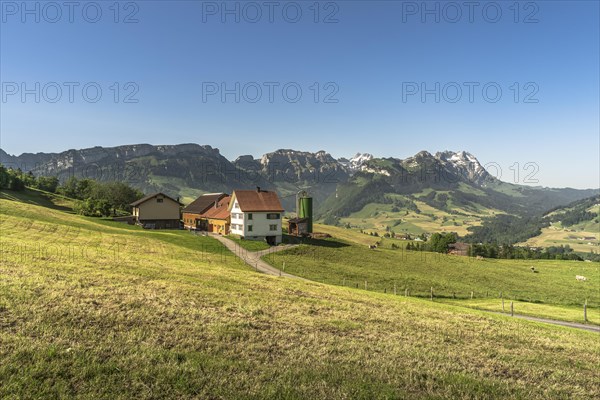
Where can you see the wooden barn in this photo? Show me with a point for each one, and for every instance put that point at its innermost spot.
(458, 249)
(298, 227)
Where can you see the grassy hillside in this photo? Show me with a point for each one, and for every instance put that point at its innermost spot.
(423, 218)
(556, 235)
(347, 261)
(576, 225)
(96, 309)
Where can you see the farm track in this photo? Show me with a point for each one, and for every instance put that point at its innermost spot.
(253, 258)
(591, 328)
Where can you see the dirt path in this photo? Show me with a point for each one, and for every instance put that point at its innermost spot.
(253, 258)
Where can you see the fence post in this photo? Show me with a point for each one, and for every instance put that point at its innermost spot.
(406, 292)
(394, 289)
(585, 312)
(365, 285)
(503, 304)
(432, 293)
(344, 282)
(471, 295)
(512, 309)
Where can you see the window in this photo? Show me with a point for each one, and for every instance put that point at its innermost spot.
(273, 216)
(249, 228)
(236, 205)
(159, 200)
(273, 227)
(250, 216)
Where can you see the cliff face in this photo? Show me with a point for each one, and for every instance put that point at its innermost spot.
(338, 186)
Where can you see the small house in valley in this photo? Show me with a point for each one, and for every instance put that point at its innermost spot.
(458, 249)
(157, 211)
(193, 214)
(256, 215)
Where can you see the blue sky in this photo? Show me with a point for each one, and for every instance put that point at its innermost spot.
(377, 58)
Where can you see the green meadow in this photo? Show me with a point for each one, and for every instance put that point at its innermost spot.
(346, 260)
(91, 308)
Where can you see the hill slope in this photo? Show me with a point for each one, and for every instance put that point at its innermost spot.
(96, 309)
(576, 225)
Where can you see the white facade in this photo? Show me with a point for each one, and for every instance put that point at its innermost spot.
(255, 225)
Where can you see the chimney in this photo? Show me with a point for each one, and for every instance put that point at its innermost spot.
(216, 204)
(258, 189)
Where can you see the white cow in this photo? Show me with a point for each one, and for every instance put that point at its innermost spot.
(580, 278)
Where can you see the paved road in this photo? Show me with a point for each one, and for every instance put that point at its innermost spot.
(592, 328)
(252, 258)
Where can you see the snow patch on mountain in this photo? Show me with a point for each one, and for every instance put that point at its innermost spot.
(357, 162)
(466, 165)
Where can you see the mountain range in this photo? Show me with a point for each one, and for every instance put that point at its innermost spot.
(448, 190)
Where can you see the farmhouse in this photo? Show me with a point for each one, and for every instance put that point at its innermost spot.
(217, 218)
(157, 211)
(256, 215)
(194, 214)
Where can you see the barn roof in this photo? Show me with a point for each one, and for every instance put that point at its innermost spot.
(151, 196)
(257, 200)
(221, 211)
(203, 203)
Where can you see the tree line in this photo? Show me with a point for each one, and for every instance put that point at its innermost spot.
(491, 250)
(437, 243)
(93, 198)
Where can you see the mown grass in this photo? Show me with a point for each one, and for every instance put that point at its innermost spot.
(161, 318)
(250, 245)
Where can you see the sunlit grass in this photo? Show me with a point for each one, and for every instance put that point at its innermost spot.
(96, 309)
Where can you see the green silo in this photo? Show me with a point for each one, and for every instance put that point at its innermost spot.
(305, 210)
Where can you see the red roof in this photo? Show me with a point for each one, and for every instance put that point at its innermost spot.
(258, 200)
(221, 211)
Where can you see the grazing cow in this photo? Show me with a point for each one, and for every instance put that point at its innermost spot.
(581, 278)
(479, 258)
(372, 246)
